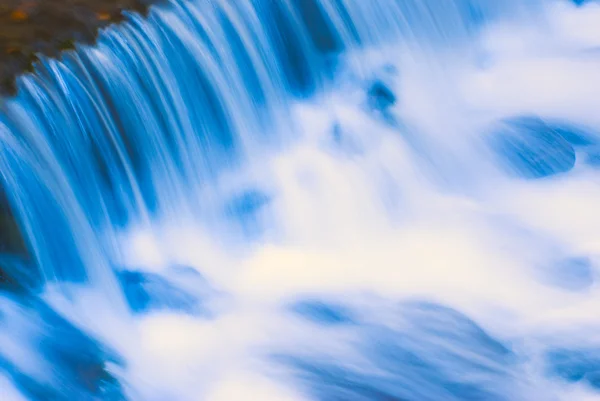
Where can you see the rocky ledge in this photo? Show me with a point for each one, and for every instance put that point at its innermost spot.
(32, 28)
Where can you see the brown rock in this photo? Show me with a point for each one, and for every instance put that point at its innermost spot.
(30, 28)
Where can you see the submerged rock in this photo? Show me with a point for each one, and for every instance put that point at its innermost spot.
(529, 148)
(11, 238)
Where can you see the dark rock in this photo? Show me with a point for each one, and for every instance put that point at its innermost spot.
(17, 272)
(7, 282)
(323, 313)
(11, 239)
(529, 148)
(29, 28)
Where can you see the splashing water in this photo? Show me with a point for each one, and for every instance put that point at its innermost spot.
(309, 200)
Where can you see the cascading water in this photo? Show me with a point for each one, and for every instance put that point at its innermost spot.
(309, 200)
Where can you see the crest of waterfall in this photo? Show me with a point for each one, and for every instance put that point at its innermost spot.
(122, 130)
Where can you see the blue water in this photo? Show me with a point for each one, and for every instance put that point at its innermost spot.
(309, 200)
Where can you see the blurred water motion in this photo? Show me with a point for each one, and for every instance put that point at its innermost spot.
(307, 200)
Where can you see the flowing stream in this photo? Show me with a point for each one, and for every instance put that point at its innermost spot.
(330, 200)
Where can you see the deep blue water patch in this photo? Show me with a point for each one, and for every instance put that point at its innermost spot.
(431, 353)
(576, 135)
(323, 36)
(575, 365)
(146, 292)
(380, 96)
(580, 2)
(299, 58)
(18, 275)
(527, 147)
(322, 312)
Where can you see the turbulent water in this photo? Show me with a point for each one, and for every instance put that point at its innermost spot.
(310, 200)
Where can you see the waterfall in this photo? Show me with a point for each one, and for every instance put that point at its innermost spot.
(308, 200)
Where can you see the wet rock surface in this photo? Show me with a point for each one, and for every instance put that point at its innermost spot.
(32, 28)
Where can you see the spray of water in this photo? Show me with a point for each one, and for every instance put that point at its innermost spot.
(309, 200)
